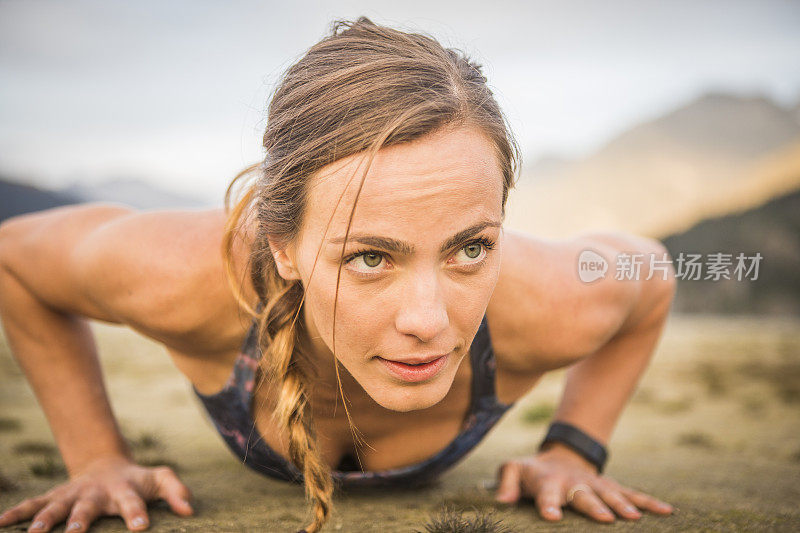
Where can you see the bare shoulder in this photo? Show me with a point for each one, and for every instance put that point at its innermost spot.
(163, 273)
(543, 316)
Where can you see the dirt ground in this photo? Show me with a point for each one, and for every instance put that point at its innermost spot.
(712, 429)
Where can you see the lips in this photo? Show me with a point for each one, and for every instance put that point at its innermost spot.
(417, 360)
(425, 369)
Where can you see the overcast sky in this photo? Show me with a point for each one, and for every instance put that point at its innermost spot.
(175, 92)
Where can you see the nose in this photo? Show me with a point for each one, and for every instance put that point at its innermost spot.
(423, 312)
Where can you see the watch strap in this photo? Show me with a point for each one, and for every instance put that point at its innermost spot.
(583, 444)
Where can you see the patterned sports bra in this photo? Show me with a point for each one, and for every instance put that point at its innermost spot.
(230, 410)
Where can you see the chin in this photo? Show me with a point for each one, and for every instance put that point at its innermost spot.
(410, 402)
(404, 398)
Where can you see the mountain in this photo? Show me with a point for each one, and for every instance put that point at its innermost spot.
(17, 199)
(133, 192)
(715, 154)
(772, 230)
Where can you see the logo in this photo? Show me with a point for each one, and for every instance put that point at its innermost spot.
(591, 266)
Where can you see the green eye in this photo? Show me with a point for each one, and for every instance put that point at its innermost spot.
(472, 250)
(372, 260)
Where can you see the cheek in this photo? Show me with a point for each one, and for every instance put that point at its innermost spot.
(359, 318)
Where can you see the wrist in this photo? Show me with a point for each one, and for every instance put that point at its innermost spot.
(577, 441)
(112, 457)
(563, 452)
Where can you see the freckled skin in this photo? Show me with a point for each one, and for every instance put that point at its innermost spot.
(403, 305)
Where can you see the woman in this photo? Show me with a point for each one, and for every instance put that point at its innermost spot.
(379, 209)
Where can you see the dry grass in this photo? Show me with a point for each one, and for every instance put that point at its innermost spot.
(452, 520)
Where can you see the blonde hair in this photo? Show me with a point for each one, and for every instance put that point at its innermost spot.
(362, 87)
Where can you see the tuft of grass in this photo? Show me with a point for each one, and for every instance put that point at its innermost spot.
(539, 413)
(696, 439)
(713, 378)
(452, 520)
(48, 468)
(644, 396)
(795, 456)
(146, 441)
(10, 424)
(678, 405)
(35, 448)
(753, 405)
(782, 377)
(6, 484)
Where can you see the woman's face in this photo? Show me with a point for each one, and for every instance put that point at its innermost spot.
(421, 261)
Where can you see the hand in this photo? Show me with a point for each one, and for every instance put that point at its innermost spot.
(549, 475)
(108, 486)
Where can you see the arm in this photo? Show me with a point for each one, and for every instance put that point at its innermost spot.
(598, 386)
(56, 271)
(51, 343)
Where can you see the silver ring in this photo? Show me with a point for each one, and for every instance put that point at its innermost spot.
(580, 486)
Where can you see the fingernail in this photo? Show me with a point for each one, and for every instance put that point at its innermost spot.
(630, 509)
(74, 525)
(138, 521)
(38, 525)
(552, 510)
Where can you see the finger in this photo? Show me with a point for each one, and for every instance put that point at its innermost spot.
(508, 490)
(22, 511)
(549, 500)
(84, 512)
(617, 501)
(646, 502)
(132, 508)
(171, 489)
(51, 514)
(587, 502)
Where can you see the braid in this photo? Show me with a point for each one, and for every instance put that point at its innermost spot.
(279, 331)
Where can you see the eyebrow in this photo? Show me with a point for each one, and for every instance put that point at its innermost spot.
(402, 247)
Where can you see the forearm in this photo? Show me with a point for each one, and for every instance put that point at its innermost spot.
(57, 353)
(599, 386)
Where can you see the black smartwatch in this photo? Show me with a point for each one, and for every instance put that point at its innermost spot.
(586, 446)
